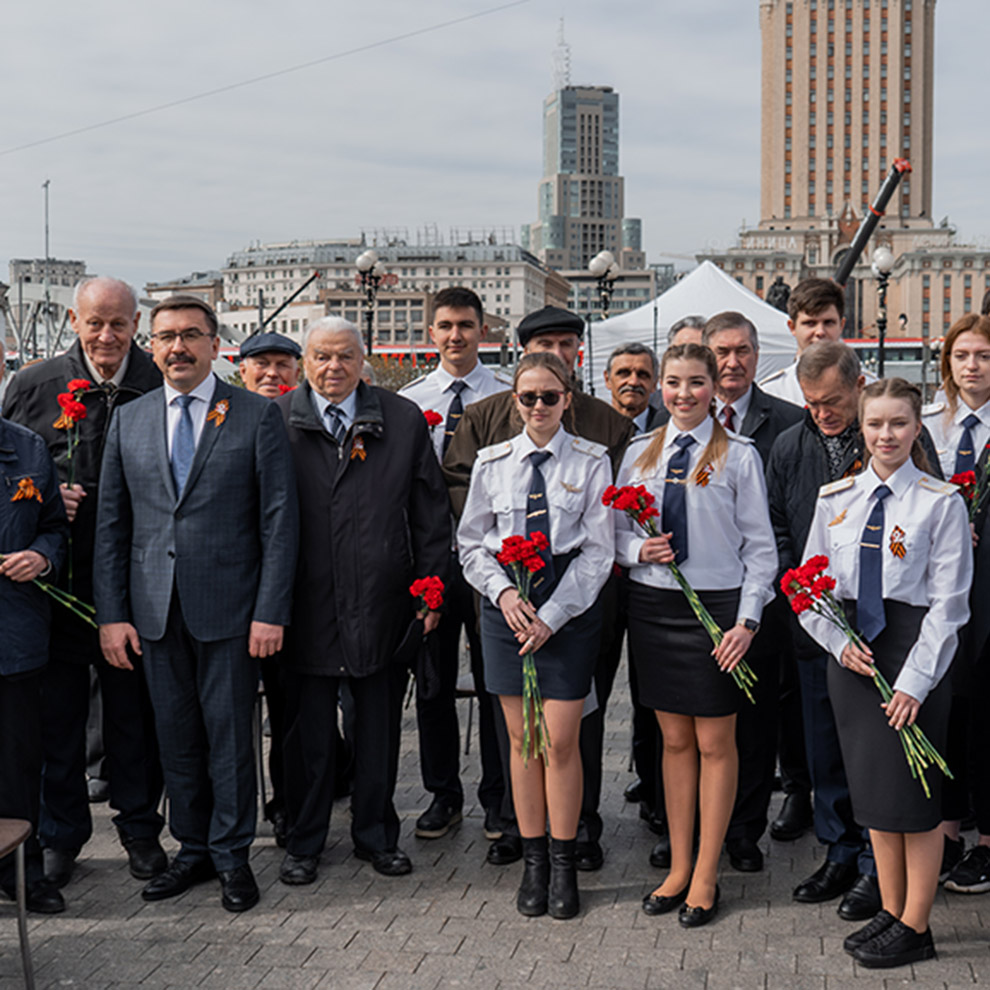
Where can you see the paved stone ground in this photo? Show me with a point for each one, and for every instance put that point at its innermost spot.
(452, 922)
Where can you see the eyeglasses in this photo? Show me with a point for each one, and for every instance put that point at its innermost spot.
(167, 337)
(549, 398)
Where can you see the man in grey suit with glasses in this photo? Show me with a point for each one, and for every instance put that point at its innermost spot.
(197, 535)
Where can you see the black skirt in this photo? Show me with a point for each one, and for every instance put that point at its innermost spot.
(675, 669)
(884, 794)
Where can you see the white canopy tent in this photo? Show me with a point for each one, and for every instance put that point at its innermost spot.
(704, 292)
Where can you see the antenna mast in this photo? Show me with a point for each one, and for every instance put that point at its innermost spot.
(561, 60)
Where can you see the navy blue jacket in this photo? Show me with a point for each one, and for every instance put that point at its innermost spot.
(27, 524)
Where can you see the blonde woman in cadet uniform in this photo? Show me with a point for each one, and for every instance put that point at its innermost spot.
(898, 544)
(543, 479)
(960, 428)
(716, 526)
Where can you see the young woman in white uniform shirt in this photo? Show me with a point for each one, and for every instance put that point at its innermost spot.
(709, 487)
(561, 624)
(898, 542)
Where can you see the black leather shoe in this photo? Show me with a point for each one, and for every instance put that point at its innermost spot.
(829, 881)
(387, 862)
(654, 822)
(145, 857)
(880, 923)
(41, 897)
(437, 820)
(240, 892)
(563, 901)
(532, 897)
(60, 864)
(794, 820)
(660, 854)
(504, 851)
(493, 825)
(897, 945)
(744, 855)
(178, 878)
(297, 871)
(634, 791)
(862, 901)
(695, 917)
(275, 813)
(588, 856)
(660, 904)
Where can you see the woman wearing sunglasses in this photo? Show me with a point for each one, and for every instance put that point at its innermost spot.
(716, 526)
(549, 481)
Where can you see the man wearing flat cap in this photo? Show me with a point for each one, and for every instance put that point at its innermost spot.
(270, 364)
(491, 421)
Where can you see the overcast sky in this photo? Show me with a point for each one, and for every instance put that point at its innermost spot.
(443, 128)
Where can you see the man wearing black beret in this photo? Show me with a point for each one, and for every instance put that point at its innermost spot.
(491, 421)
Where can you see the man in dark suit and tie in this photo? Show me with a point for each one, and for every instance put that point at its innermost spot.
(197, 534)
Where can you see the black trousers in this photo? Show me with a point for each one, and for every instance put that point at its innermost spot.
(436, 719)
(794, 774)
(130, 743)
(204, 696)
(968, 744)
(311, 764)
(20, 765)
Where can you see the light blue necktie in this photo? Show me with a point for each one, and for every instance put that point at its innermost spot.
(183, 443)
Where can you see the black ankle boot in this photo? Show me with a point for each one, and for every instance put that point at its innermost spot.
(532, 897)
(563, 901)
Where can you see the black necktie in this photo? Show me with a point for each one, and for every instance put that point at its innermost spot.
(454, 412)
(538, 515)
(674, 517)
(335, 423)
(966, 451)
(869, 606)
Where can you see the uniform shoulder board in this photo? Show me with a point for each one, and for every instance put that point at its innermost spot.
(773, 377)
(494, 452)
(939, 487)
(835, 486)
(588, 447)
(642, 437)
(738, 437)
(500, 376)
(415, 381)
(932, 408)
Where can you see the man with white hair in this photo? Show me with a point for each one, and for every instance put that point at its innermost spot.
(109, 370)
(373, 506)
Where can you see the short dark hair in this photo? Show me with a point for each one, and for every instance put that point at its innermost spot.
(729, 320)
(634, 347)
(818, 358)
(985, 305)
(814, 295)
(185, 300)
(458, 297)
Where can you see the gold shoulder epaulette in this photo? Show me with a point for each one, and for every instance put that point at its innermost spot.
(500, 377)
(773, 377)
(835, 486)
(494, 452)
(932, 408)
(415, 381)
(939, 487)
(588, 447)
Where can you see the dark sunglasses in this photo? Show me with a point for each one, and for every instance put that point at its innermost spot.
(529, 399)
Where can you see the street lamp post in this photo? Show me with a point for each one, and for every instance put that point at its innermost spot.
(883, 265)
(603, 267)
(370, 272)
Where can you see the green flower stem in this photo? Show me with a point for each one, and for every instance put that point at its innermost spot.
(84, 610)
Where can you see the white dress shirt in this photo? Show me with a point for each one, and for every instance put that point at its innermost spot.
(739, 409)
(730, 540)
(935, 571)
(576, 475)
(433, 391)
(347, 409)
(946, 431)
(198, 409)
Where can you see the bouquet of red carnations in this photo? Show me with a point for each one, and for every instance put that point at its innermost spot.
(637, 503)
(809, 588)
(974, 485)
(521, 558)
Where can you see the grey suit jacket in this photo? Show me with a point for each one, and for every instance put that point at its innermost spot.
(228, 545)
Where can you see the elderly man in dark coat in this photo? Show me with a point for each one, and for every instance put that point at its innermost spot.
(375, 516)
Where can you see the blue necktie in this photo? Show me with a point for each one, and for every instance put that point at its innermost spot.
(673, 519)
(454, 413)
(183, 443)
(869, 606)
(335, 423)
(538, 515)
(966, 451)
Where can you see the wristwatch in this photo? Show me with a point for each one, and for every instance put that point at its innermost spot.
(750, 624)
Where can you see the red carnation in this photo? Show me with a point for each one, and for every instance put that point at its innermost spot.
(79, 385)
(282, 389)
(539, 540)
(608, 496)
(800, 603)
(429, 590)
(433, 418)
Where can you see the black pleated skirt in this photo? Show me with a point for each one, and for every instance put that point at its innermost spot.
(884, 794)
(564, 664)
(675, 669)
